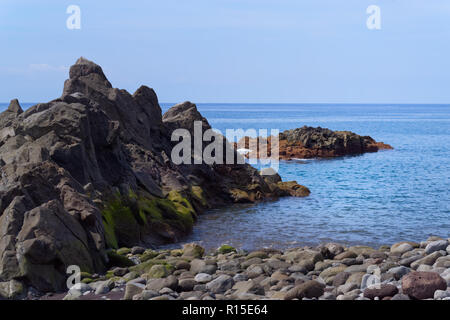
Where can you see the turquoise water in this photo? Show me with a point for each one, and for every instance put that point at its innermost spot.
(372, 199)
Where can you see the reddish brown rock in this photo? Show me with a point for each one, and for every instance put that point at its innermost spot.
(309, 142)
(422, 285)
(382, 291)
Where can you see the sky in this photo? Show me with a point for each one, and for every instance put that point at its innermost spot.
(224, 51)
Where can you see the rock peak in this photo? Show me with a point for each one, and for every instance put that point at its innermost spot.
(14, 106)
(85, 77)
(183, 115)
(85, 67)
(83, 60)
(180, 108)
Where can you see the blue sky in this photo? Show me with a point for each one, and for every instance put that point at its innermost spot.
(267, 51)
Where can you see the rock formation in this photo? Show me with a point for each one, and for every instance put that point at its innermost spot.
(309, 142)
(91, 170)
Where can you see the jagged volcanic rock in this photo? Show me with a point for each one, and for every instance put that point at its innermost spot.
(91, 170)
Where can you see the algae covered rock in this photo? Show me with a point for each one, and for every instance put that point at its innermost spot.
(147, 255)
(123, 251)
(223, 249)
(145, 267)
(158, 271)
(193, 250)
(117, 260)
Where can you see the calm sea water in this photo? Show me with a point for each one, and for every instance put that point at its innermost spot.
(372, 199)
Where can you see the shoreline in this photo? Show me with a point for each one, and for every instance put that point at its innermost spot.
(211, 249)
(403, 271)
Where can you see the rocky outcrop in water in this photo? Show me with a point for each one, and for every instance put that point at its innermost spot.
(91, 170)
(309, 142)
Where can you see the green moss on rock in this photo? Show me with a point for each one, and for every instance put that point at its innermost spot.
(87, 280)
(123, 251)
(127, 218)
(226, 249)
(158, 271)
(147, 255)
(184, 208)
(147, 265)
(176, 253)
(193, 250)
(198, 194)
(119, 222)
(116, 260)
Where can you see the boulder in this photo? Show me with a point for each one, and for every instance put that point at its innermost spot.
(427, 260)
(345, 255)
(441, 294)
(330, 250)
(381, 291)
(400, 296)
(224, 249)
(309, 289)
(436, 246)
(193, 250)
(422, 285)
(157, 284)
(187, 284)
(244, 287)
(299, 255)
(158, 271)
(345, 288)
(399, 272)
(132, 289)
(221, 284)
(103, 287)
(356, 277)
(401, 247)
(328, 274)
(137, 250)
(203, 278)
(340, 279)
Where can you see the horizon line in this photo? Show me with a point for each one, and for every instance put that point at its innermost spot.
(290, 103)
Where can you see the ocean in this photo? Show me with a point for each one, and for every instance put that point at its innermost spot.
(371, 199)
